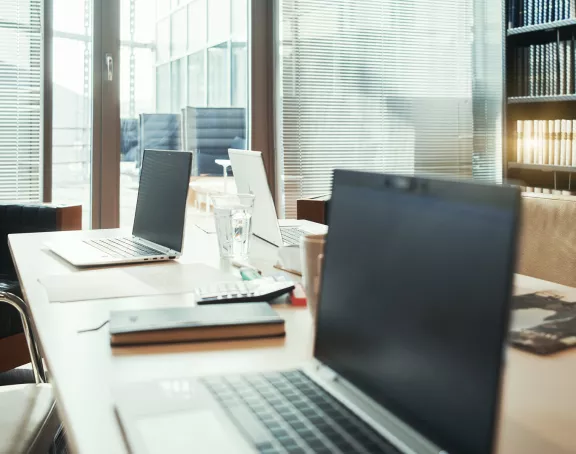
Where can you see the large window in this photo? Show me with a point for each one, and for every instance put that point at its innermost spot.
(387, 85)
(72, 39)
(20, 100)
(195, 85)
(202, 53)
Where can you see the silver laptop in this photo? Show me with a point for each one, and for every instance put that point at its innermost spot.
(410, 337)
(159, 220)
(250, 176)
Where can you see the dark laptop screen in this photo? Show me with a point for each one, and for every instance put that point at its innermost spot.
(414, 306)
(161, 205)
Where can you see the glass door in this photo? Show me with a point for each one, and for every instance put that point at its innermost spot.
(72, 77)
(138, 80)
(183, 86)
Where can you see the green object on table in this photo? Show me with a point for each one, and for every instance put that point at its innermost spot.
(249, 274)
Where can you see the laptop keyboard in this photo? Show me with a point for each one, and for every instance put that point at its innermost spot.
(287, 412)
(122, 247)
(291, 235)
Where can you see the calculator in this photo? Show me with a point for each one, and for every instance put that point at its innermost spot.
(265, 289)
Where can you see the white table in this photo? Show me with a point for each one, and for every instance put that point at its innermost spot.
(539, 404)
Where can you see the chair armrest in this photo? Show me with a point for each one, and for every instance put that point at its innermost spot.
(35, 357)
(32, 218)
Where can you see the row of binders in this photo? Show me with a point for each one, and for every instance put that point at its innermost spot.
(545, 69)
(550, 142)
(522, 13)
(547, 190)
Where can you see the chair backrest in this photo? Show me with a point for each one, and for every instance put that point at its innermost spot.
(129, 138)
(209, 132)
(31, 218)
(159, 132)
(547, 243)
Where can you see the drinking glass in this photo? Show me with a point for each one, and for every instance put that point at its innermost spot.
(233, 217)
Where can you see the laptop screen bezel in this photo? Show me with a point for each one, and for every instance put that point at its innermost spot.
(490, 195)
(179, 249)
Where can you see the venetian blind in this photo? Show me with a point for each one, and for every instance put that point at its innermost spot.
(20, 100)
(388, 85)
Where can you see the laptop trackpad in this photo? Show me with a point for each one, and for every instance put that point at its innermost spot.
(185, 431)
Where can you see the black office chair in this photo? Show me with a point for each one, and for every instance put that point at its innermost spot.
(29, 422)
(15, 218)
(208, 132)
(158, 132)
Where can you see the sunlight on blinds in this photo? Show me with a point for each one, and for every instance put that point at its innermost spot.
(20, 100)
(387, 85)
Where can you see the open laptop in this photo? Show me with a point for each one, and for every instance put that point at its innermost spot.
(250, 176)
(410, 339)
(158, 229)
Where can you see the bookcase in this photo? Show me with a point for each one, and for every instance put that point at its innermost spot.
(541, 94)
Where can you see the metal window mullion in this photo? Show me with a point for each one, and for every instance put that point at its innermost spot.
(229, 56)
(229, 72)
(109, 114)
(206, 62)
(47, 100)
(97, 71)
(206, 85)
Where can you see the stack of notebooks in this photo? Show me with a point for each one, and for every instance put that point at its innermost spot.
(550, 142)
(213, 322)
(522, 13)
(544, 69)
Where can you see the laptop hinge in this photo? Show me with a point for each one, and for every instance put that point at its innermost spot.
(159, 247)
(406, 439)
(325, 372)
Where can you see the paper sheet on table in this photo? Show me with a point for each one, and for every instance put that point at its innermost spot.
(206, 225)
(122, 282)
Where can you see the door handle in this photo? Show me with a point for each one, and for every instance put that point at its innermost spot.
(110, 66)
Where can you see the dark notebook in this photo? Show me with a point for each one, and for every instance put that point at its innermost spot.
(543, 323)
(194, 324)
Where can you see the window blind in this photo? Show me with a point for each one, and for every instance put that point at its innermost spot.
(387, 85)
(20, 100)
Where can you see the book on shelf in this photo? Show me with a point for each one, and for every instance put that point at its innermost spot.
(562, 57)
(562, 142)
(550, 143)
(569, 66)
(534, 70)
(574, 142)
(539, 190)
(522, 13)
(545, 69)
(546, 142)
(556, 9)
(512, 14)
(568, 140)
(550, 68)
(556, 135)
(537, 71)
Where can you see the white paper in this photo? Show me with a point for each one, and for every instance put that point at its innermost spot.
(121, 282)
(289, 259)
(207, 225)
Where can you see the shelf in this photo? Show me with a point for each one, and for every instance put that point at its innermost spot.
(542, 167)
(541, 27)
(540, 99)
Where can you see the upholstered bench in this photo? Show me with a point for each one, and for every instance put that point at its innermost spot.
(547, 241)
